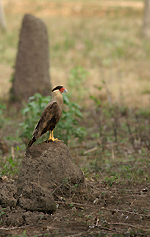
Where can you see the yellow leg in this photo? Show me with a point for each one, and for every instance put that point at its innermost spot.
(54, 139)
(51, 137)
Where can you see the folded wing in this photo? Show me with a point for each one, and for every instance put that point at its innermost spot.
(47, 122)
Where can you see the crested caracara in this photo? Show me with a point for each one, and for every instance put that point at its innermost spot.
(50, 116)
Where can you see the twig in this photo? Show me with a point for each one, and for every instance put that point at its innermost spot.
(136, 129)
(113, 155)
(129, 129)
(108, 93)
(79, 234)
(12, 152)
(79, 146)
(85, 232)
(114, 124)
(100, 128)
(58, 187)
(17, 227)
(128, 224)
(90, 150)
(74, 203)
(116, 210)
(130, 132)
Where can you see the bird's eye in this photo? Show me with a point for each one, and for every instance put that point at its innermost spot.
(62, 89)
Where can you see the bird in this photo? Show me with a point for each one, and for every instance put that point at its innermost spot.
(50, 116)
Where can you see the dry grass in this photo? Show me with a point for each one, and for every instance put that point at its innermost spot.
(103, 37)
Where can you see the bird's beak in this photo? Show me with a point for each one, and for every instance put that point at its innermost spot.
(65, 91)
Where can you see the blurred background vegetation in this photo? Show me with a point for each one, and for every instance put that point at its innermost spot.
(103, 37)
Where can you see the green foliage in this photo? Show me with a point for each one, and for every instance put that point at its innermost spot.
(143, 112)
(9, 167)
(2, 109)
(10, 163)
(69, 123)
(77, 76)
(111, 179)
(2, 211)
(12, 74)
(76, 82)
(67, 127)
(96, 100)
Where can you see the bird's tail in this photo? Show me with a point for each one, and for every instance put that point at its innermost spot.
(31, 142)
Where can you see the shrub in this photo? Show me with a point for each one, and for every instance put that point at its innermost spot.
(67, 127)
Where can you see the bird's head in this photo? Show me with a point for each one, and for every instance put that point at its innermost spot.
(60, 88)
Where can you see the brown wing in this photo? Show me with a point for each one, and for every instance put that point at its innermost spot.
(47, 122)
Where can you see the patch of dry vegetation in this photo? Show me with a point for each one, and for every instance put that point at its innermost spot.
(109, 44)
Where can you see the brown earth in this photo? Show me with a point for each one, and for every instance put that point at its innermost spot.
(97, 210)
(50, 197)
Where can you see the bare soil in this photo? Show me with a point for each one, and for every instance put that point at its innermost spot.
(83, 208)
(97, 210)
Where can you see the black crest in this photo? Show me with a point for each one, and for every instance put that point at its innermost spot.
(57, 88)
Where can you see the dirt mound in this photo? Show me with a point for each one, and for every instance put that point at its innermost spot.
(8, 193)
(35, 198)
(32, 62)
(50, 166)
(47, 171)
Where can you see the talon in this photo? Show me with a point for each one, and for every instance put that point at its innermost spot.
(51, 137)
(55, 139)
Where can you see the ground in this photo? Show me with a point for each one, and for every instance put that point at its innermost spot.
(105, 38)
(119, 210)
